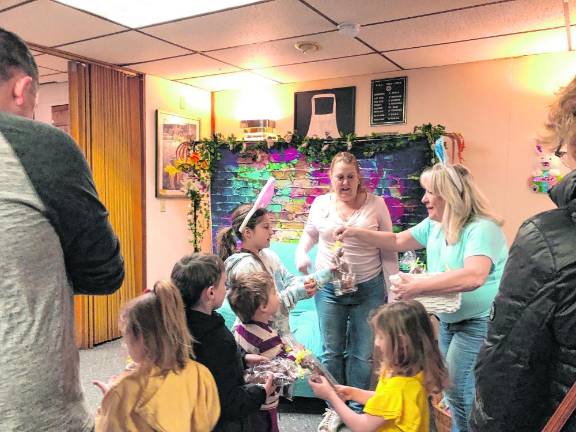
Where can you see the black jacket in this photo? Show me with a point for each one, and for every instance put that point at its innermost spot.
(528, 362)
(216, 349)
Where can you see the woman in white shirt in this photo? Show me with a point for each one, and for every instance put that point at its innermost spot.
(344, 318)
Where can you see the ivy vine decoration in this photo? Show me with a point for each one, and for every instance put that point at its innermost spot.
(194, 160)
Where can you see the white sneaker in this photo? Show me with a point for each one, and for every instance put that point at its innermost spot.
(330, 422)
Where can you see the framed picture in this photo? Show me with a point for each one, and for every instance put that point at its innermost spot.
(388, 101)
(172, 130)
(321, 113)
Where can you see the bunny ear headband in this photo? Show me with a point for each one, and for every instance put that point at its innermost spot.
(440, 152)
(262, 201)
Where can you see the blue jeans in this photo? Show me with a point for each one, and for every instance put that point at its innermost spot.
(459, 344)
(347, 340)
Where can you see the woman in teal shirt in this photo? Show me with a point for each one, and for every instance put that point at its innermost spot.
(466, 246)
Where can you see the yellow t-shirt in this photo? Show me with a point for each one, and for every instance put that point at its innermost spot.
(403, 402)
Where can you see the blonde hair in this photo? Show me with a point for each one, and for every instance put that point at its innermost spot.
(158, 317)
(460, 207)
(410, 342)
(561, 124)
(248, 291)
(350, 159)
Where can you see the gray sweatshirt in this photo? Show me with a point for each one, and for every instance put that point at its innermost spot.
(55, 240)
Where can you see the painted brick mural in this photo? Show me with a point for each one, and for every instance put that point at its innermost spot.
(240, 177)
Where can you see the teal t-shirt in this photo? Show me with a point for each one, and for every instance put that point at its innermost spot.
(481, 236)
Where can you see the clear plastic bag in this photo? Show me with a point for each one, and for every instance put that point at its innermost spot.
(344, 280)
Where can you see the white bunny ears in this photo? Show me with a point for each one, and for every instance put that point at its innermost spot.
(440, 152)
(262, 201)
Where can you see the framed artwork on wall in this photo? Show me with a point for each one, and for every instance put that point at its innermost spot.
(321, 113)
(173, 131)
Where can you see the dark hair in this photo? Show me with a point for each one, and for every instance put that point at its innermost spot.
(14, 54)
(159, 318)
(226, 238)
(248, 291)
(411, 344)
(194, 273)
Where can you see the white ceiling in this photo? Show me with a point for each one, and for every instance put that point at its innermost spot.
(255, 43)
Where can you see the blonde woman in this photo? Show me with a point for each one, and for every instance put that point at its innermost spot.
(465, 244)
(529, 359)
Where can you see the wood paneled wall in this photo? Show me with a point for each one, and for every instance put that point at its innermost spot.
(106, 120)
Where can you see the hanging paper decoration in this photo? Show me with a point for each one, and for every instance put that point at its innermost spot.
(545, 174)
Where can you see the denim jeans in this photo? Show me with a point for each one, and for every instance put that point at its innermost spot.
(347, 340)
(459, 344)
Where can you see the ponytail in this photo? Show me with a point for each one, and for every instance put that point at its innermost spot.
(228, 236)
(226, 242)
(158, 317)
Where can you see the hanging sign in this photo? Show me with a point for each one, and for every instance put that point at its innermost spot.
(388, 101)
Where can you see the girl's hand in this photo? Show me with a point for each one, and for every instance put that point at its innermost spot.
(310, 287)
(345, 393)
(105, 386)
(406, 288)
(321, 387)
(254, 359)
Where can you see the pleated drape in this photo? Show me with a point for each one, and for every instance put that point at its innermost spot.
(106, 122)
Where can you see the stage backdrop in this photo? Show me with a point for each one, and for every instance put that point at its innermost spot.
(240, 176)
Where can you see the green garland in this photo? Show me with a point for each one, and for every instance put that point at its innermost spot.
(322, 150)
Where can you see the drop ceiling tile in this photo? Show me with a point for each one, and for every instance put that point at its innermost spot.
(129, 47)
(479, 22)
(184, 67)
(4, 4)
(371, 11)
(52, 62)
(360, 65)
(58, 77)
(228, 81)
(256, 23)
(282, 52)
(484, 49)
(48, 23)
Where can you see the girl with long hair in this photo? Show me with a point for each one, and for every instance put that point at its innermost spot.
(166, 390)
(411, 369)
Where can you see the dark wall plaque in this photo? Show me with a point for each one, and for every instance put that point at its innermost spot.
(388, 101)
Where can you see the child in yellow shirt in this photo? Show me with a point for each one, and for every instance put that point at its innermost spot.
(411, 369)
(165, 391)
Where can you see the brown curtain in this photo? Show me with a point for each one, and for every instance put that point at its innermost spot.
(106, 122)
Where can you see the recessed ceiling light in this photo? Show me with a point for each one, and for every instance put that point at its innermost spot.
(306, 47)
(139, 13)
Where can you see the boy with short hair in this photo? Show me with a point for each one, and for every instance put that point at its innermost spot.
(254, 299)
(200, 279)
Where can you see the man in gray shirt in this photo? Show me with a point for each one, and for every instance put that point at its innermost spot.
(55, 240)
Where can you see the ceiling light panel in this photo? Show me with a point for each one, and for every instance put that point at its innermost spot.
(140, 13)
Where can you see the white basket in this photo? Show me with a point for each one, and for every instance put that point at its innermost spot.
(438, 303)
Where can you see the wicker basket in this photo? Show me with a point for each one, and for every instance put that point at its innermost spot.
(442, 419)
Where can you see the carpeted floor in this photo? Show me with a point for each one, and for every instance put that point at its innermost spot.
(106, 360)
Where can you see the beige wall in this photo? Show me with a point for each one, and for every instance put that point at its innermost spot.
(166, 232)
(49, 95)
(499, 107)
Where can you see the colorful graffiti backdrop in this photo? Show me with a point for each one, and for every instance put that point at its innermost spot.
(240, 177)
